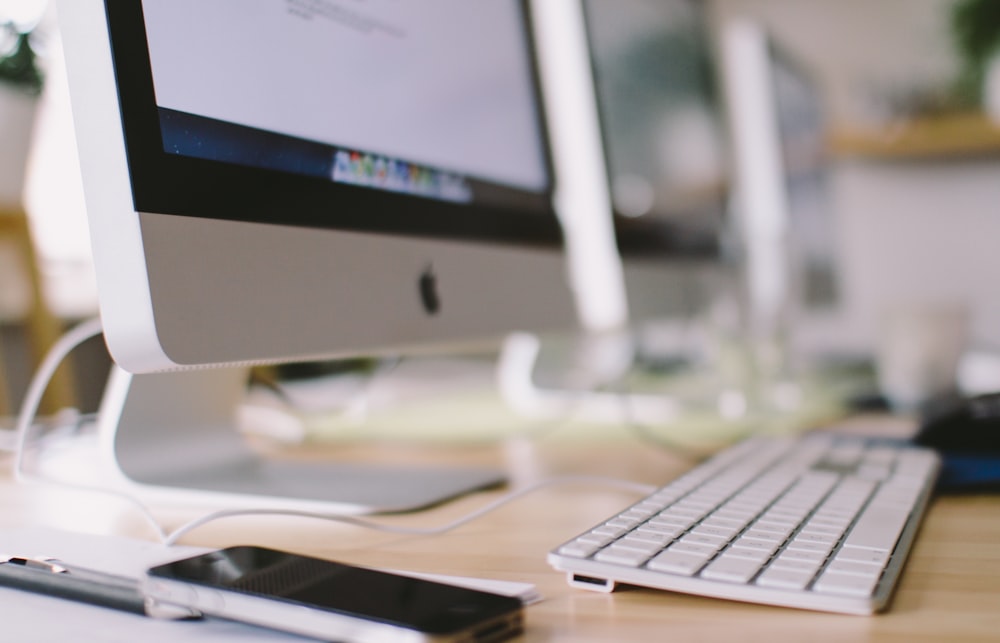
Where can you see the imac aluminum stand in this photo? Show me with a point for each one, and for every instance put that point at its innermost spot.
(172, 437)
(515, 369)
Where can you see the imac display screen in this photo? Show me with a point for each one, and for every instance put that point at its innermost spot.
(368, 102)
(802, 138)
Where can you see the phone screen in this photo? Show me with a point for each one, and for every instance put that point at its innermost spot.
(434, 608)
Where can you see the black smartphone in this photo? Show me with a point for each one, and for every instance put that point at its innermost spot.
(330, 600)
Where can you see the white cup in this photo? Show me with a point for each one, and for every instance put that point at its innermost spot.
(919, 347)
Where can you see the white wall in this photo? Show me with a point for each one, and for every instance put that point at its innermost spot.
(921, 232)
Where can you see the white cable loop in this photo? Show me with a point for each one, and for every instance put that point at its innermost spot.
(626, 485)
(29, 412)
(39, 383)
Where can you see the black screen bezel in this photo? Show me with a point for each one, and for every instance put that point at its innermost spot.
(164, 183)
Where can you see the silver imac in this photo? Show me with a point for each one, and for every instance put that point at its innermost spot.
(651, 149)
(282, 180)
(667, 158)
(784, 209)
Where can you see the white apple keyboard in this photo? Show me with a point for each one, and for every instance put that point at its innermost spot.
(818, 522)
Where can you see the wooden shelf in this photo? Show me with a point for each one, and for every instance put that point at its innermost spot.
(945, 137)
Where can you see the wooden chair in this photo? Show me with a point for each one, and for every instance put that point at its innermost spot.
(42, 329)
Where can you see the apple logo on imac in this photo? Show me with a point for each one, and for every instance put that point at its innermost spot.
(429, 292)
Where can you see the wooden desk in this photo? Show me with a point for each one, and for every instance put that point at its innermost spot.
(950, 589)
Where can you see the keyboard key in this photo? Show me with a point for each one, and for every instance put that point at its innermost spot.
(599, 539)
(619, 556)
(881, 455)
(877, 528)
(873, 471)
(702, 539)
(578, 549)
(798, 565)
(854, 567)
(751, 554)
(846, 584)
(770, 536)
(754, 544)
(860, 554)
(665, 518)
(811, 528)
(678, 563)
(806, 536)
(691, 548)
(671, 531)
(788, 513)
(638, 544)
(699, 506)
(653, 536)
(607, 530)
(808, 545)
(623, 523)
(766, 533)
(734, 513)
(785, 578)
(686, 512)
(731, 569)
(802, 555)
(779, 518)
(726, 533)
(724, 522)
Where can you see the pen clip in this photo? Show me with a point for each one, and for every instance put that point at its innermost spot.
(124, 593)
(41, 563)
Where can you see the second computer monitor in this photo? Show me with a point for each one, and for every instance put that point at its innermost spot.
(664, 142)
(784, 206)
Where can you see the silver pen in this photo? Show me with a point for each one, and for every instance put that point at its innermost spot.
(54, 578)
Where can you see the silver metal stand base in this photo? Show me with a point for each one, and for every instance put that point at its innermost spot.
(172, 437)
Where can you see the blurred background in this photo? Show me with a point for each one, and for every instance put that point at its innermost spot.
(911, 99)
(915, 173)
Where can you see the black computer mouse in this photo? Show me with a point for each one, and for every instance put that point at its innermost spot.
(963, 425)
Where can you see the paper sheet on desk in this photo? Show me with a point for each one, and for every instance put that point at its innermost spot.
(34, 617)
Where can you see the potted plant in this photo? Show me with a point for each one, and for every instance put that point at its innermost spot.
(975, 26)
(20, 86)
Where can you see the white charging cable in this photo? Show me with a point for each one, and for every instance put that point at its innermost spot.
(642, 489)
(91, 328)
(29, 411)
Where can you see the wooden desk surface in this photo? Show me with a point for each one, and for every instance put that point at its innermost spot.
(950, 589)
